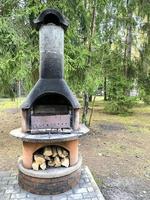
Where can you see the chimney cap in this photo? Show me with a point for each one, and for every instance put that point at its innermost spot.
(51, 16)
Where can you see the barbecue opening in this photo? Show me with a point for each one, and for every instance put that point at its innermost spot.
(50, 156)
(51, 111)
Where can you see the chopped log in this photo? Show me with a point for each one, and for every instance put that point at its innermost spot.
(39, 159)
(47, 151)
(57, 161)
(54, 152)
(65, 153)
(60, 152)
(51, 162)
(43, 166)
(65, 162)
(47, 157)
(35, 166)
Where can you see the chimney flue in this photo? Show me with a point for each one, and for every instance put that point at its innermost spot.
(51, 51)
(51, 25)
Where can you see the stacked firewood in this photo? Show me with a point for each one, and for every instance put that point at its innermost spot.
(51, 156)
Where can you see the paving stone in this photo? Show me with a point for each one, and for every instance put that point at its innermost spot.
(87, 198)
(86, 189)
(14, 173)
(43, 197)
(6, 187)
(1, 191)
(60, 197)
(12, 182)
(90, 194)
(90, 189)
(81, 181)
(80, 190)
(5, 197)
(16, 186)
(3, 182)
(38, 197)
(27, 199)
(12, 191)
(9, 178)
(69, 192)
(18, 196)
(30, 195)
(76, 196)
(87, 180)
(5, 173)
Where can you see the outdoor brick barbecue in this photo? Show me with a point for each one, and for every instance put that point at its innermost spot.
(50, 129)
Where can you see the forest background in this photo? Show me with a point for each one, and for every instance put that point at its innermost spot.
(107, 48)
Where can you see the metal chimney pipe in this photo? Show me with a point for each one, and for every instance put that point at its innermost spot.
(51, 25)
(51, 47)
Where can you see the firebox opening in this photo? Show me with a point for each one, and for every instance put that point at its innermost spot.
(52, 111)
(51, 18)
(52, 99)
(50, 156)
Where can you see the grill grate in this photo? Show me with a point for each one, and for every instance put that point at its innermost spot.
(50, 122)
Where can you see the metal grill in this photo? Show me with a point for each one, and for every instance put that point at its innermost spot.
(49, 122)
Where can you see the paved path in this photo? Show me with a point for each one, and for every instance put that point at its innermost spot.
(87, 189)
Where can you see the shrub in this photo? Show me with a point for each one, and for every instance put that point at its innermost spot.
(120, 105)
(146, 99)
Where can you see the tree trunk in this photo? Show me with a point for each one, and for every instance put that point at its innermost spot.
(19, 88)
(92, 30)
(128, 41)
(90, 118)
(105, 89)
(128, 46)
(85, 107)
(90, 98)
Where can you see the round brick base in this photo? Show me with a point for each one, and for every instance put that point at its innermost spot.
(49, 185)
(50, 181)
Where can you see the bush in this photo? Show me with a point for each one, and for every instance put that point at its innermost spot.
(145, 96)
(146, 99)
(120, 105)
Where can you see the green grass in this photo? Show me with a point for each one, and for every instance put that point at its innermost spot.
(6, 103)
(140, 115)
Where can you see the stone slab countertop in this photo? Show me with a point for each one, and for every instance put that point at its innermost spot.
(50, 137)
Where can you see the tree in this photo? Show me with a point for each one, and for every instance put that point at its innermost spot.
(100, 47)
(144, 62)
